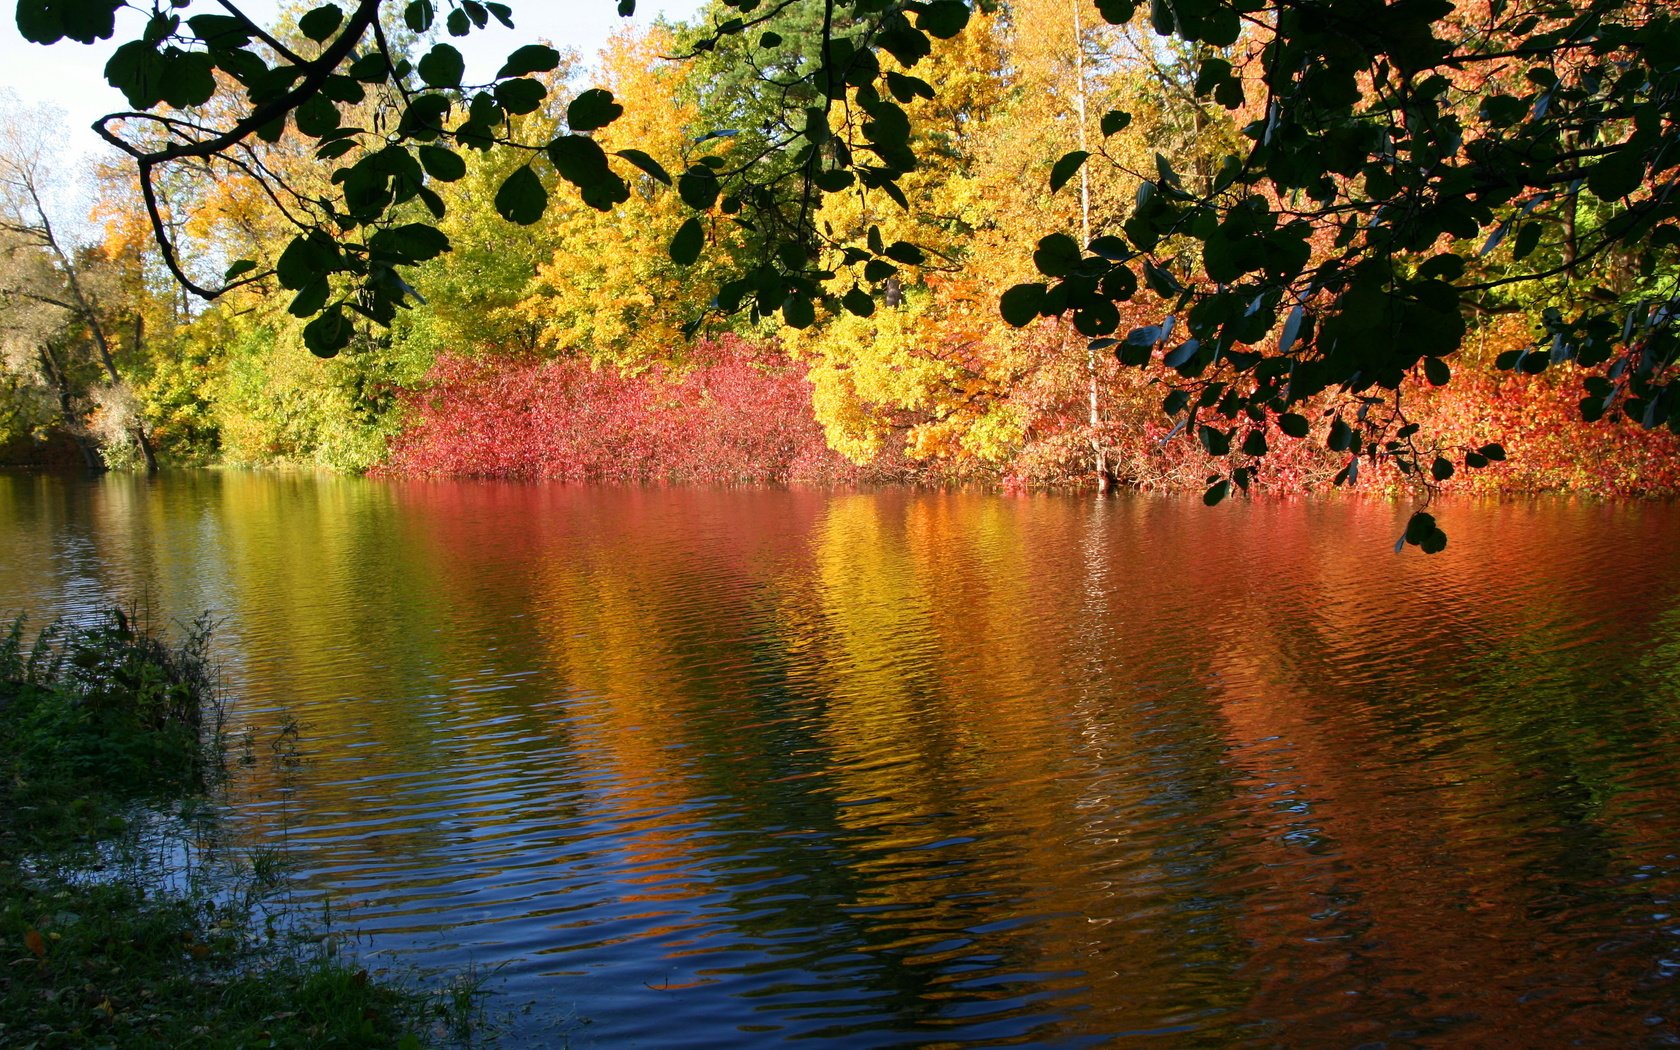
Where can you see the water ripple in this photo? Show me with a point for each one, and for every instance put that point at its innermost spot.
(724, 768)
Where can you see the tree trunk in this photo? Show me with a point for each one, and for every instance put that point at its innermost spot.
(91, 318)
(53, 370)
(1105, 477)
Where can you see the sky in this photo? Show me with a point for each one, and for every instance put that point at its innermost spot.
(69, 76)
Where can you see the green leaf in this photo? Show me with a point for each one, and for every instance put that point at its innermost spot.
(238, 270)
(522, 95)
(698, 187)
(1117, 12)
(305, 258)
(859, 302)
(581, 161)
(1067, 168)
(878, 270)
(343, 89)
(1494, 452)
(321, 23)
(1214, 441)
(310, 298)
(84, 21)
(1418, 526)
(419, 15)
(220, 32)
(1133, 356)
(444, 165)
(1177, 358)
(905, 44)
(686, 245)
(592, 109)
(370, 68)
(1160, 281)
(905, 252)
(442, 66)
(943, 18)
(1436, 371)
(532, 58)
(798, 312)
(1294, 424)
(317, 116)
(410, 243)
(1617, 175)
(1057, 255)
(1097, 317)
(1341, 437)
(1255, 443)
(1020, 304)
(907, 88)
(329, 333)
(1115, 121)
(522, 198)
(1111, 248)
(432, 201)
(1441, 469)
(646, 163)
(1216, 494)
(1291, 330)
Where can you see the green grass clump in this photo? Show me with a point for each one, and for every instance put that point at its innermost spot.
(110, 734)
(98, 717)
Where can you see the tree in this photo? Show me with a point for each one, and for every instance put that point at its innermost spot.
(612, 288)
(1403, 166)
(205, 88)
(71, 287)
(39, 376)
(1388, 156)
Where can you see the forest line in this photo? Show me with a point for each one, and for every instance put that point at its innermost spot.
(560, 348)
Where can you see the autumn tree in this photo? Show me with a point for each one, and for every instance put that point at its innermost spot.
(613, 287)
(910, 358)
(26, 215)
(1362, 138)
(45, 383)
(1400, 165)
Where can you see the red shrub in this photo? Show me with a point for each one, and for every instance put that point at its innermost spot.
(740, 412)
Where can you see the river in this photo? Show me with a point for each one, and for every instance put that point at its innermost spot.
(738, 767)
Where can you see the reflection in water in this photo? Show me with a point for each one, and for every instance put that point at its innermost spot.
(721, 767)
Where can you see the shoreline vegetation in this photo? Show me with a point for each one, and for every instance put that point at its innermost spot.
(562, 344)
(126, 917)
(739, 411)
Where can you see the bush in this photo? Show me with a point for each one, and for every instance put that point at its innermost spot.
(109, 703)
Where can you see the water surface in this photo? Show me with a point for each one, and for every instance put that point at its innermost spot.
(709, 767)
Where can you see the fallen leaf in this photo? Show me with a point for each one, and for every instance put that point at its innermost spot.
(36, 943)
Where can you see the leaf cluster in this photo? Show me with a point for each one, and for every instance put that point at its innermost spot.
(1334, 252)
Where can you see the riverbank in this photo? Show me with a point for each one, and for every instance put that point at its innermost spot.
(743, 412)
(125, 919)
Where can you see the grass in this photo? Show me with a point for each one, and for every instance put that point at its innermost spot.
(125, 921)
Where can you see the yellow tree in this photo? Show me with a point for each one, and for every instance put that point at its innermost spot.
(609, 290)
(918, 357)
(1070, 77)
